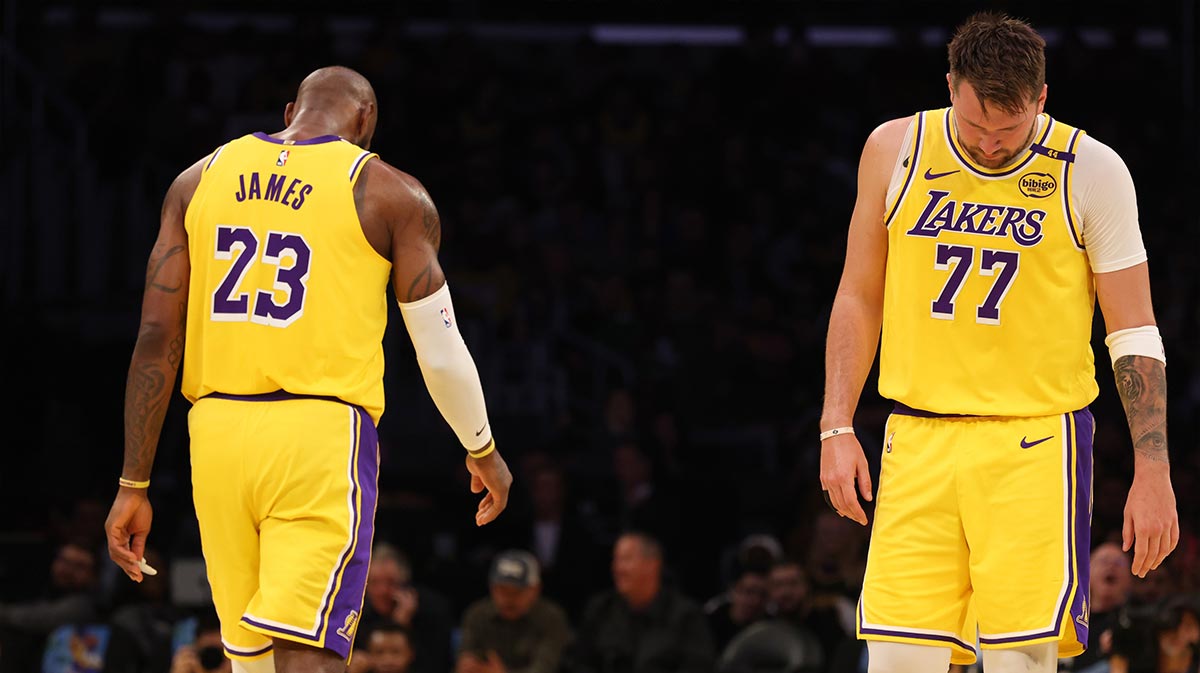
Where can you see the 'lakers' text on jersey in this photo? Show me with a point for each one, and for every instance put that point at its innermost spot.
(988, 296)
(286, 292)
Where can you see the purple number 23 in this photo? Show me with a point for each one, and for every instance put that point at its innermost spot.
(240, 245)
(958, 259)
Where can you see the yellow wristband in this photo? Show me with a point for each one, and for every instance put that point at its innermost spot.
(133, 484)
(482, 453)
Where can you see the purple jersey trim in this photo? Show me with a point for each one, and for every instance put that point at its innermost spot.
(1067, 190)
(307, 141)
(953, 143)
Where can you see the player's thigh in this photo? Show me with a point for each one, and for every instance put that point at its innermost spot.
(1027, 522)
(887, 657)
(916, 588)
(318, 495)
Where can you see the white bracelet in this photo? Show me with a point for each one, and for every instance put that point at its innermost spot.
(837, 431)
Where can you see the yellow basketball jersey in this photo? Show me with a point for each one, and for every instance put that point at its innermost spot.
(286, 292)
(988, 294)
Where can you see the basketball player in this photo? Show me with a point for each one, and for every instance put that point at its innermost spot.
(982, 235)
(272, 265)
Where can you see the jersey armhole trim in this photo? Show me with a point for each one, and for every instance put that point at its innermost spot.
(1072, 217)
(914, 160)
(213, 159)
(356, 167)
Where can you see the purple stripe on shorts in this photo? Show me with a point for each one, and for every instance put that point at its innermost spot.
(348, 600)
(900, 633)
(277, 396)
(1084, 427)
(905, 410)
(1078, 544)
(280, 629)
(255, 653)
(307, 141)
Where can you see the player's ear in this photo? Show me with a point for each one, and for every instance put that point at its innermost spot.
(288, 113)
(1041, 99)
(950, 85)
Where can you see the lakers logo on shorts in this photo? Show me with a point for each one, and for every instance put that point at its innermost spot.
(351, 623)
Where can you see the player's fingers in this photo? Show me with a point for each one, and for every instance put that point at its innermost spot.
(1153, 544)
(1140, 547)
(1174, 536)
(485, 514)
(137, 546)
(476, 484)
(850, 500)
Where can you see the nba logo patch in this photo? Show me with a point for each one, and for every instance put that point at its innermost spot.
(446, 317)
(283, 157)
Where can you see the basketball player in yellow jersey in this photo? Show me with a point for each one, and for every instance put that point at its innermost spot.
(272, 265)
(981, 237)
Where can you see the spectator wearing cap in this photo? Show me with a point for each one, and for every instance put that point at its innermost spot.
(514, 629)
(643, 625)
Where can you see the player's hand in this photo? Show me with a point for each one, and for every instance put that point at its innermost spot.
(126, 528)
(1151, 522)
(843, 465)
(491, 473)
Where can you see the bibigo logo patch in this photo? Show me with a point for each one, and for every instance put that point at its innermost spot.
(1037, 185)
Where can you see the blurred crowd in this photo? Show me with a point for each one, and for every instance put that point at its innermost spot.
(644, 243)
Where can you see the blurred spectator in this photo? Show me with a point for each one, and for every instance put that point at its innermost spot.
(1109, 589)
(515, 629)
(423, 612)
(69, 599)
(205, 654)
(1158, 638)
(741, 604)
(144, 629)
(642, 626)
(388, 649)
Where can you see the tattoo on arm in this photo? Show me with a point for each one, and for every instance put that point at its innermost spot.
(157, 262)
(1142, 383)
(429, 277)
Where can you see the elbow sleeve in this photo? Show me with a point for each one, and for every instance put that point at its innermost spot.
(449, 371)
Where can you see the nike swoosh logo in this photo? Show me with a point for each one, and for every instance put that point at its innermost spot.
(1027, 444)
(930, 175)
(480, 430)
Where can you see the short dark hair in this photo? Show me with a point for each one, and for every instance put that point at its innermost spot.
(1003, 58)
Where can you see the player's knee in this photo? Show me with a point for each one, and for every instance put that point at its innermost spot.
(886, 657)
(262, 665)
(1041, 658)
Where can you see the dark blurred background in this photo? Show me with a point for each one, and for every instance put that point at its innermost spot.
(644, 211)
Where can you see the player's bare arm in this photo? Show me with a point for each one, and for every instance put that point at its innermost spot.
(855, 323)
(1151, 525)
(402, 222)
(152, 372)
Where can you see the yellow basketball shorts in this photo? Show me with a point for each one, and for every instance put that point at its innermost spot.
(285, 492)
(981, 533)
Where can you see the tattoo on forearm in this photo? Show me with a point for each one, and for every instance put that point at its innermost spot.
(157, 262)
(147, 392)
(1142, 383)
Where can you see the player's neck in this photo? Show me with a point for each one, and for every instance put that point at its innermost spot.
(311, 124)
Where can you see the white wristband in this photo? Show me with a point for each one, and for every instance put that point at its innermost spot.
(837, 431)
(1144, 341)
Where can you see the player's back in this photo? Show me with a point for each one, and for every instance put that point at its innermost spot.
(286, 293)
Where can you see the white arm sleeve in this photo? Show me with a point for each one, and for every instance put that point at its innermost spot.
(1103, 195)
(450, 373)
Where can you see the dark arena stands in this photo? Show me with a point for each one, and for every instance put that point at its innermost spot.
(644, 218)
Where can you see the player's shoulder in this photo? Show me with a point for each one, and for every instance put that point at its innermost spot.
(384, 178)
(888, 136)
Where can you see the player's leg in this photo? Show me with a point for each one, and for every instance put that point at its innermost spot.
(228, 533)
(886, 657)
(317, 495)
(1039, 658)
(916, 589)
(263, 665)
(1028, 523)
